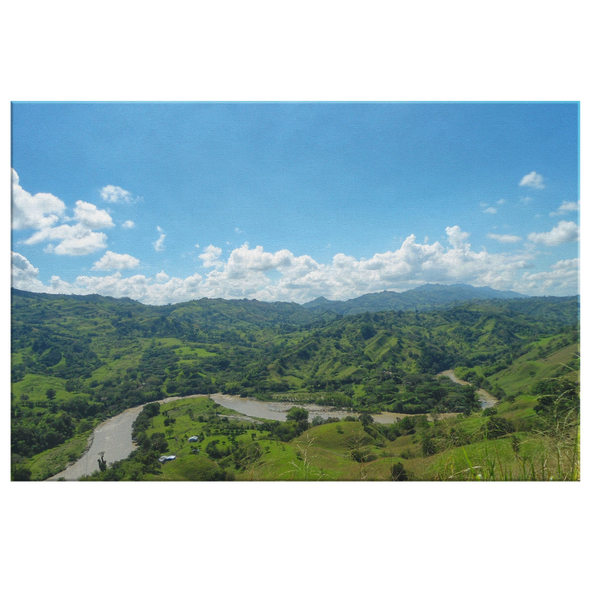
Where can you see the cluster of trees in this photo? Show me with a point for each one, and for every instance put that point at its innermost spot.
(41, 425)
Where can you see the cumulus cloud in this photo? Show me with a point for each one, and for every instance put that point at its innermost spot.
(42, 211)
(24, 274)
(532, 180)
(114, 261)
(211, 256)
(505, 239)
(91, 216)
(252, 272)
(562, 279)
(34, 212)
(74, 240)
(301, 278)
(128, 224)
(456, 236)
(563, 232)
(566, 207)
(115, 194)
(159, 243)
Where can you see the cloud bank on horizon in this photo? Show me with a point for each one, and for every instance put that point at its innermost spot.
(117, 246)
(245, 272)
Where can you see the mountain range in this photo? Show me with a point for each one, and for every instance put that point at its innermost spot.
(425, 297)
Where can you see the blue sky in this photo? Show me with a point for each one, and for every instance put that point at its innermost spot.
(167, 202)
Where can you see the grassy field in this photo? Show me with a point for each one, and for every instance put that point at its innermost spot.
(530, 367)
(323, 453)
(54, 461)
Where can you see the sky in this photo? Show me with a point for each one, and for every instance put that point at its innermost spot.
(288, 201)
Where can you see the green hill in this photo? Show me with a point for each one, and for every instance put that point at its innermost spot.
(77, 360)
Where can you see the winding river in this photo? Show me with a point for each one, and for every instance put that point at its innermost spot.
(113, 437)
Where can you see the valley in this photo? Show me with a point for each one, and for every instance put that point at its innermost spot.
(380, 380)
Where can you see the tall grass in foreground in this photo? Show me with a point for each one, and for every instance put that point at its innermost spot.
(550, 453)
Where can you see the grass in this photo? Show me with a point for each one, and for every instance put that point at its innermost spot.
(518, 378)
(190, 352)
(323, 453)
(35, 387)
(53, 461)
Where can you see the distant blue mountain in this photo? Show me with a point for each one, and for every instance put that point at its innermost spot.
(428, 296)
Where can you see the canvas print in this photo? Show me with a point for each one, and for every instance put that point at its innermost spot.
(295, 291)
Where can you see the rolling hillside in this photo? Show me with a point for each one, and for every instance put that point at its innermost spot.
(78, 360)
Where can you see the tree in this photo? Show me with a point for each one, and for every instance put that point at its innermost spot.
(102, 462)
(50, 393)
(365, 418)
(398, 472)
(297, 414)
(358, 443)
(158, 442)
(428, 445)
(20, 473)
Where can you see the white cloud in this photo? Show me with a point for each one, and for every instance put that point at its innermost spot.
(491, 210)
(34, 212)
(563, 232)
(74, 240)
(562, 279)
(253, 272)
(114, 261)
(128, 224)
(532, 180)
(504, 239)
(159, 243)
(566, 207)
(526, 200)
(42, 211)
(91, 217)
(211, 256)
(115, 194)
(456, 236)
(24, 274)
(500, 201)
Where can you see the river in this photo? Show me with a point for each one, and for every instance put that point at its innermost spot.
(278, 410)
(113, 437)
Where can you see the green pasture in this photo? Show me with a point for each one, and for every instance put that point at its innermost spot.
(35, 387)
(53, 461)
(527, 369)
